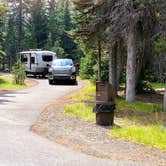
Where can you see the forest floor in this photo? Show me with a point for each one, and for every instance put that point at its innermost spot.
(89, 138)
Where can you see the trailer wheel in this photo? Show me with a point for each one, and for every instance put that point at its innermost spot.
(34, 75)
(42, 76)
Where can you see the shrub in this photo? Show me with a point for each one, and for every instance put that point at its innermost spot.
(18, 71)
(86, 67)
(145, 86)
(89, 68)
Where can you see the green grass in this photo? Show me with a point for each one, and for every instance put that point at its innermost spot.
(137, 106)
(87, 93)
(80, 110)
(7, 83)
(131, 128)
(156, 85)
(155, 135)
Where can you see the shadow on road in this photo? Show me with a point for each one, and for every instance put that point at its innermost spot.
(38, 77)
(6, 95)
(64, 83)
(58, 82)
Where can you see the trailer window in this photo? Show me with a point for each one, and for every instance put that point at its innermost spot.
(47, 58)
(24, 58)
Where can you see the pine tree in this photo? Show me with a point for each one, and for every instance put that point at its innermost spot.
(131, 24)
(71, 49)
(3, 10)
(89, 32)
(15, 29)
(55, 24)
(11, 47)
(38, 24)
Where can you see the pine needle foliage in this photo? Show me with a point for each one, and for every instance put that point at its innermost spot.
(19, 75)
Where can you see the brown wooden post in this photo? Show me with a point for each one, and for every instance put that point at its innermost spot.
(105, 103)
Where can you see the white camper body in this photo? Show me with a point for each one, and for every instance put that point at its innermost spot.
(37, 62)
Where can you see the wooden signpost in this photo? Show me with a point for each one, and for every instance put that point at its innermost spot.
(105, 103)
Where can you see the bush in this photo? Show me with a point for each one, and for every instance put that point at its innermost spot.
(145, 86)
(89, 68)
(19, 75)
(86, 67)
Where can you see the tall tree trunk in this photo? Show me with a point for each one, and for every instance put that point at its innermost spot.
(165, 100)
(131, 67)
(99, 60)
(113, 67)
(119, 66)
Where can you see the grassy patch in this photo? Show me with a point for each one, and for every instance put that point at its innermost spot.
(7, 83)
(86, 94)
(80, 110)
(156, 85)
(145, 131)
(137, 106)
(151, 135)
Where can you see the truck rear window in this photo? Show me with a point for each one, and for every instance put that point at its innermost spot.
(62, 62)
(47, 58)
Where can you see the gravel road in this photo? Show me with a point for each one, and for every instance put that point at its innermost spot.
(21, 147)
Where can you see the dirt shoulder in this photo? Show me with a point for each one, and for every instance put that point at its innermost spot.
(90, 138)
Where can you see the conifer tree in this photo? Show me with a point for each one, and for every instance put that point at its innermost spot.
(11, 47)
(71, 49)
(38, 24)
(130, 25)
(55, 26)
(3, 11)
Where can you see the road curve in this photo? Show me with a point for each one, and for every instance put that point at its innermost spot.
(21, 147)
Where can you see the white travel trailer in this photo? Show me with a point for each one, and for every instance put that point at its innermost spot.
(37, 62)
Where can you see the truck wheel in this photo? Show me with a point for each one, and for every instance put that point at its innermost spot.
(50, 82)
(74, 82)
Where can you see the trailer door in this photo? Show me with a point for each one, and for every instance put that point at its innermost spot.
(32, 62)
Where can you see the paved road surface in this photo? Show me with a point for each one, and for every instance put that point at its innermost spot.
(20, 147)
